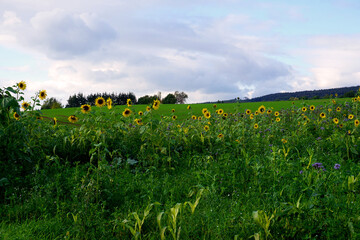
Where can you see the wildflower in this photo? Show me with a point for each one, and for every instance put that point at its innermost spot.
(193, 117)
(199, 118)
(156, 104)
(301, 172)
(256, 113)
(206, 128)
(338, 109)
(336, 121)
(312, 107)
(138, 121)
(55, 121)
(128, 102)
(337, 166)
(356, 122)
(204, 110)
(256, 126)
(319, 166)
(261, 109)
(248, 111)
(220, 111)
(225, 115)
(86, 108)
(277, 119)
(140, 113)
(341, 125)
(174, 117)
(42, 94)
(16, 116)
(284, 140)
(304, 109)
(73, 119)
(109, 103)
(173, 110)
(126, 112)
(148, 108)
(269, 111)
(220, 135)
(251, 116)
(350, 116)
(322, 115)
(22, 85)
(25, 105)
(100, 102)
(207, 115)
(276, 114)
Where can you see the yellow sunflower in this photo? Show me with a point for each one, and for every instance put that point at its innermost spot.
(278, 119)
(86, 108)
(140, 113)
(73, 119)
(356, 122)
(22, 85)
(188, 107)
(109, 103)
(336, 121)
(42, 94)
(284, 140)
(261, 109)
(276, 114)
(126, 112)
(55, 121)
(333, 101)
(207, 115)
(193, 117)
(156, 104)
(206, 128)
(173, 117)
(304, 109)
(251, 116)
(148, 109)
(199, 118)
(322, 115)
(100, 102)
(225, 115)
(138, 121)
(220, 111)
(269, 111)
(25, 105)
(312, 107)
(248, 111)
(341, 125)
(173, 110)
(350, 116)
(214, 106)
(256, 113)
(204, 110)
(256, 126)
(16, 116)
(220, 135)
(128, 102)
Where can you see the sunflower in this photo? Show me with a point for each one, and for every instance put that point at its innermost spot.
(256, 113)
(220, 135)
(16, 116)
(269, 111)
(341, 125)
(322, 115)
(86, 108)
(333, 101)
(55, 121)
(248, 111)
(206, 128)
(276, 114)
(128, 102)
(173, 110)
(304, 109)
(126, 112)
(25, 105)
(336, 121)
(109, 103)
(237, 140)
(256, 126)
(261, 109)
(42, 94)
(173, 117)
(199, 118)
(100, 102)
(214, 106)
(156, 104)
(39, 118)
(284, 140)
(193, 117)
(312, 107)
(207, 115)
(22, 85)
(350, 116)
(138, 121)
(148, 108)
(73, 119)
(140, 113)
(278, 119)
(356, 122)
(225, 115)
(220, 111)
(188, 107)
(251, 116)
(204, 110)
(329, 109)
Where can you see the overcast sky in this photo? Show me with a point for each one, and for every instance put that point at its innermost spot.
(212, 50)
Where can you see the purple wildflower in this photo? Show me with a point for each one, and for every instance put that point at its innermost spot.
(301, 172)
(337, 166)
(318, 165)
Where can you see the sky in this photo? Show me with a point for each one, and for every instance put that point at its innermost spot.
(210, 49)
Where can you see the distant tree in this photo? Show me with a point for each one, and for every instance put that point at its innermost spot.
(51, 103)
(147, 99)
(349, 94)
(169, 99)
(180, 97)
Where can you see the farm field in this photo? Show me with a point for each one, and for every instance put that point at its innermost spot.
(279, 171)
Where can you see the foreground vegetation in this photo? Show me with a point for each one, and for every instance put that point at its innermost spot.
(113, 174)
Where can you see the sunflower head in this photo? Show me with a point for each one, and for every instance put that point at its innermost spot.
(173, 110)
(25, 105)
(350, 116)
(284, 140)
(261, 109)
(256, 126)
(42, 94)
(251, 116)
(207, 115)
(220, 135)
(128, 102)
(140, 113)
(22, 85)
(336, 121)
(312, 107)
(199, 118)
(214, 106)
(188, 107)
(333, 101)
(225, 115)
(269, 111)
(86, 108)
(193, 117)
(173, 117)
(204, 110)
(16, 116)
(304, 109)
(148, 108)
(206, 128)
(138, 121)
(276, 114)
(322, 115)
(126, 112)
(338, 109)
(356, 122)
(156, 104)
(220, 111)
(248, 111)
(278, 119)
(73, 119)
(109, 103)
(100, 102)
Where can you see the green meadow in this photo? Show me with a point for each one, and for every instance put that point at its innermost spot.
(284, 171)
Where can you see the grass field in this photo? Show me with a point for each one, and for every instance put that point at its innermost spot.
(288, 173)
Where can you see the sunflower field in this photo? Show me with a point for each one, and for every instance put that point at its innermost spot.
(207, 173)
